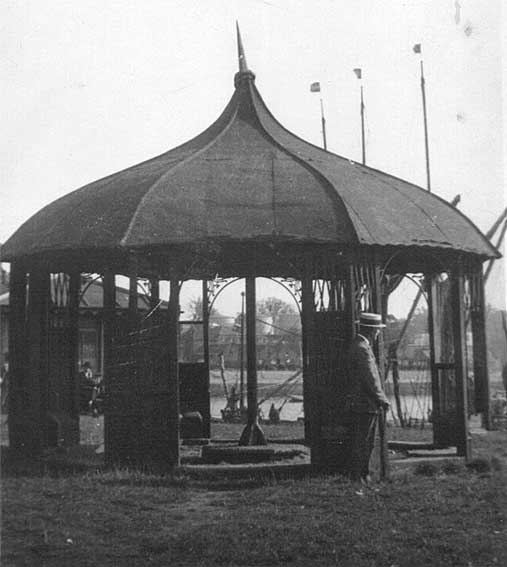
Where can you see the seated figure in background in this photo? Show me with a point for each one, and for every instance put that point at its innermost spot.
(89, 389)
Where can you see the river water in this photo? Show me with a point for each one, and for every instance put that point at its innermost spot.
(415, 407)
(414, 385)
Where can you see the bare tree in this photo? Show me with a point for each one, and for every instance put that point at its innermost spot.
(195, 310)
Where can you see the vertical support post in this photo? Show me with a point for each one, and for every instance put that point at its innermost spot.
(396, 386)
(377, 300)
(205, 346)
(434, 334)
(133, 300)
(36, 392)
(307, 316)
(18, 433)
(480, 351)
(109, 304)
(351, 303)
(242, 356)
(252, 434)
(73, 353)
(134, 409)
(251, 349)
(377, 307)
(173, 381)
(458, 323)
(45, 297)
(154, 292)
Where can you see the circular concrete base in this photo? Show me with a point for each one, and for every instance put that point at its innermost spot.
(236, 454)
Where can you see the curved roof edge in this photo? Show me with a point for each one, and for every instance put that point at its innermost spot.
(382, 209)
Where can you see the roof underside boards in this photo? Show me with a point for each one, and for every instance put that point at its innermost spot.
(245, 178)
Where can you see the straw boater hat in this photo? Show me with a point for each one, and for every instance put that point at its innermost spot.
(370, 320)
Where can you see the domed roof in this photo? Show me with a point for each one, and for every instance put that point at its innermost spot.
(246, 178)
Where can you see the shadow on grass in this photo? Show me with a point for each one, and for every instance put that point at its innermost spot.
(54, 463)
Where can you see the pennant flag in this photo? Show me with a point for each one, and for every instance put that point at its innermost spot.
(417, 48)
(315, 88)
(358, 73)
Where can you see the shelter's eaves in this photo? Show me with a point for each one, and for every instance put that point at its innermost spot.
(244, 178)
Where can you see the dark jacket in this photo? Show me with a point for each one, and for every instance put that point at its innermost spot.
(366, 394)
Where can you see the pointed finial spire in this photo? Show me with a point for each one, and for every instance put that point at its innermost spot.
(243, 72)
(243, 67)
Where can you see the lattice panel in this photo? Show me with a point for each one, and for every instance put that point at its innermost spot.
(365, 286)
(474, 282)
(329, 295)
(60, 289)
(329, 285)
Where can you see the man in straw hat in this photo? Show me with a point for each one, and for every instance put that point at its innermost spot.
(367, 397)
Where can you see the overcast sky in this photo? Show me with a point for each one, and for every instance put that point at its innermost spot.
(92, 87)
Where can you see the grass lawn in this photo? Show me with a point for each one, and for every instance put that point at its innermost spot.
(429, 515)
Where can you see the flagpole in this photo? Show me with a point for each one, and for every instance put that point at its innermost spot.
(315, 88)
(363, 147)
(417, 49)
(359, 74)
(323, 120)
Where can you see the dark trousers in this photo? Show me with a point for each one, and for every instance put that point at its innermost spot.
(362, 440)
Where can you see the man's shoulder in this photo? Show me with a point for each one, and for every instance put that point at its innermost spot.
(360, 342)
(359, 346)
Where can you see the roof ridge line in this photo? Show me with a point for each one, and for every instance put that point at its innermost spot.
(417, 205)
(309, 164)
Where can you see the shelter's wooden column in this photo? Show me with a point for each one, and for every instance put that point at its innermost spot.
(154, 293)
(434, 334)
(480, 351)
(351, 303)
(445, 374)
(129, 392)
(133, 295)
(109, 304)
(35, 392)
(307, 331)
(205, 340)
(173, 381)
(73, 353)
(380, 308)
(252, 434)
(19, 433)
(459, 337)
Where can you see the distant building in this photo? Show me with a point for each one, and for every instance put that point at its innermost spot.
(90, 319)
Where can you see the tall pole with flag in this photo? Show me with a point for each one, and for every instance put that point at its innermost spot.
(315, 88)
(359, 74)
(417, 49)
